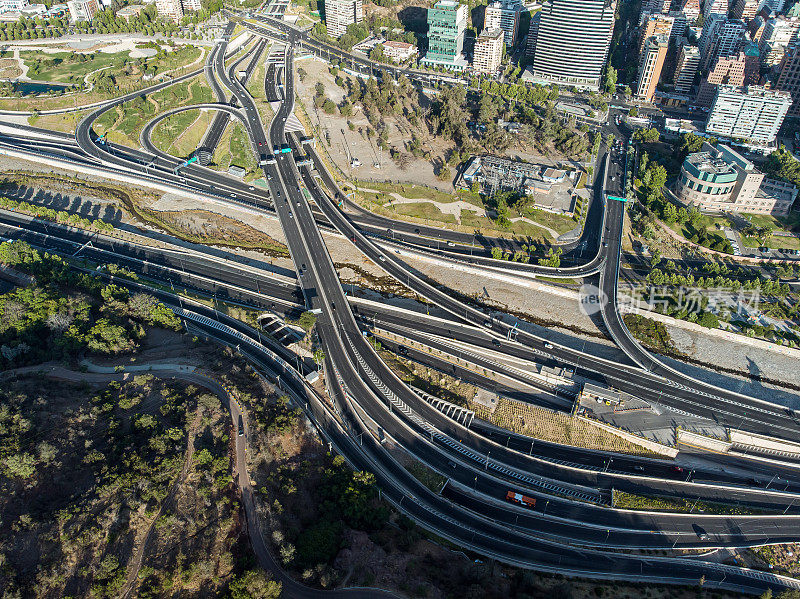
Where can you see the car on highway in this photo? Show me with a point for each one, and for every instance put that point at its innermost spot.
(548, 345)
(676, 469)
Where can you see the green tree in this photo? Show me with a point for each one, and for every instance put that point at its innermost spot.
(610, 82)
(254, 584)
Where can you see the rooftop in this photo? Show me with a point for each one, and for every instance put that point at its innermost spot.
(706, 163)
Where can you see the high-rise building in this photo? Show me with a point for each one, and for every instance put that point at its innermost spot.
(721, 37)
(716, 7)
(727, 70)
(691, 8)
(793, 10)
(746, 9)
(488, 51)
(573, 41)
(656, 6)
(752, 63)
(533, 31)
(688, 62)
(82, 10)
(339, 14)
(654, 24)
(773, 5)
(789, 77)
(505, 17)
(779, 31)
(191, 5)
(679, 24)
(650, 66)
(172, 9)
(751, 113)
(447, 21)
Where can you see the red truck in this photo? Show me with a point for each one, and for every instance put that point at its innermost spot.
(520, 499)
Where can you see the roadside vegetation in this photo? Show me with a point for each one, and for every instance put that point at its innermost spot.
(124, 122)
(628, 501)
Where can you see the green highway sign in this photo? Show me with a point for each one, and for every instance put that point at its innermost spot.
(618, 199)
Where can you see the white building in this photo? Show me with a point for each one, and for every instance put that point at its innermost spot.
(717, 7)
(9, 5)
(82, 10)
(172, 9)
(750, 113)
(341, 13)
(488, 52)
(505, 17)
(721, 37)
(722, 180)
(398, 51)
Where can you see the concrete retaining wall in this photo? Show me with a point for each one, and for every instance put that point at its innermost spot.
(769, 444)
(698, 440)
(635, 439)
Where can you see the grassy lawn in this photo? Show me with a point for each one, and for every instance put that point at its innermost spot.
(234, 148)
(58, 122)
(414, 192)
(190, 139)
(70, 67)
(557, 222)
(125, 122)
(775, 242)
(256, 84)
(170, 129)
(790, 223)
(425, 211)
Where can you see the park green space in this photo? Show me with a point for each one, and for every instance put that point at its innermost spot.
(72, 72)
(72, 67)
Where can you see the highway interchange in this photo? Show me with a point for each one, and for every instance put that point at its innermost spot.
(571, 528)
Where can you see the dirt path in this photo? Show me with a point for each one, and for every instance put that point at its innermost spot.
(136, 564)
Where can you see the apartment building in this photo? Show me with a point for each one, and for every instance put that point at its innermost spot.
(721, 37)
(654, 25)
(727, 70)
(751, 113)
(650, 66)
(340, 14)
(505, 17)
(488, 53)
(686, 70)
(82, 10)
(746, 9)
(789, 78)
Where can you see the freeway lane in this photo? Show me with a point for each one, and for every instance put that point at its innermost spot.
(105, 249)
(351, 356)
(725, 408)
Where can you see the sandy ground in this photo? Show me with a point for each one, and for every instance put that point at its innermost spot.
(345, 143)
(565, 323)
